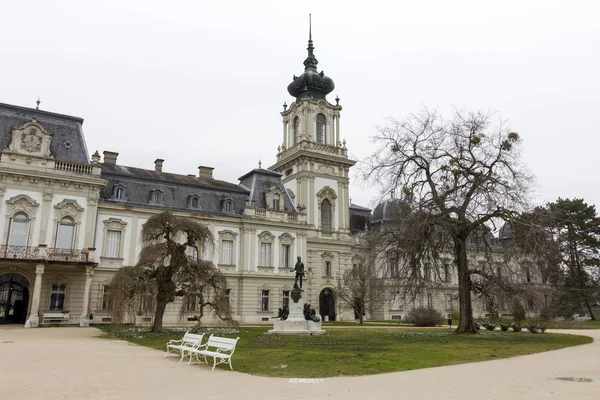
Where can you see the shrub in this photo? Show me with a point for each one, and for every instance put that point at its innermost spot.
(516, 327)
(533, 328)
(504, 326)
(424, 316)
(490, 326)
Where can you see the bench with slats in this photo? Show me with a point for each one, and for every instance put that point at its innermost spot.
(55, 316)
(219, 348)
(187, 342)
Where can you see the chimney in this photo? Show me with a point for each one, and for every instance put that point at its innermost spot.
(205, 172)
(158, 163)
(110, 157)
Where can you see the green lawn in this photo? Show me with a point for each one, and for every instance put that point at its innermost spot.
(348, 352)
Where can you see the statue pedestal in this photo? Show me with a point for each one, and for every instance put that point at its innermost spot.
(296, 324)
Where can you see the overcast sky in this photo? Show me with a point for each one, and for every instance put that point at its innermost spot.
(203, 83)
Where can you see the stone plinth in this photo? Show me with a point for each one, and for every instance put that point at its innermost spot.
(296, 324)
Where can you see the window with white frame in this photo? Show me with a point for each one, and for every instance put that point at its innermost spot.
(119, 192)
(228, 296)
(57, 296)
(321, 128)
(285, 255)
(265, 254)
(65, 234)
(296, 129)
(156, 197)
(105, 300)
(397, 302)
(113, 244)
(429, 300)
(276, 199)
(328, 268)
(227, 252)
(191, 303)
(285, 299)
(448, 301)
(285, 252)
(265, 240)
(326, 216)
(417, 302)
(393, 265)
(19, 230)
(264, 300)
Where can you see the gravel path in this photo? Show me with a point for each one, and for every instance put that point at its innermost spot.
(72, 363)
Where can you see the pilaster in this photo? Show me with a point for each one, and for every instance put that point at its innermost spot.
(34, 320)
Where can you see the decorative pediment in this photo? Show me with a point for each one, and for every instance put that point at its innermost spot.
(266, 236)
(114, 224)
(227, 235)
(286, 238)
(31, 139)
(21, 203)
(327, 256)
(68, 208)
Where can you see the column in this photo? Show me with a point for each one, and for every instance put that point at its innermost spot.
(337, 129)
(34, 320)
(84, 320)
(47, 196)
(285, 142)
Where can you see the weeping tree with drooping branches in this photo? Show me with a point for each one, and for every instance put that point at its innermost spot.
(459, 179)
(165, 269)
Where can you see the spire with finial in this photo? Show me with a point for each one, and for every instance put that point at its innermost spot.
(259, 164)
(37, 107)
(311, 84)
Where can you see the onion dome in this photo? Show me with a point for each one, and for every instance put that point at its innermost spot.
(311, 84)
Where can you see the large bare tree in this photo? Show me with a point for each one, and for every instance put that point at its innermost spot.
(459, 178)
(166, 269)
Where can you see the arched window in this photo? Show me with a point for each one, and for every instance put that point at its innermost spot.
(326, 216)
(296, 129)
(19, 230)
(321, 128)
(194, 202)
(276, 202)
(65, 233)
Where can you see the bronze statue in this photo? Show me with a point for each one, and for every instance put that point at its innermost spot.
(299, 269)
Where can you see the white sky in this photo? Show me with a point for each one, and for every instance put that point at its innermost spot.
(202, 83)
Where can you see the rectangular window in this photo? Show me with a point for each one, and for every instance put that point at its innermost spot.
(228, 295)
(147, 304)
(417, 302)
(105, 306)
(393, 266)
(57, 298)
(265, 254)
(227, 252)
(264, 300)
(429, 301)
(191, 253)
(113, 244)
(285, 255)
(192, 301)
(426, 272)
(285, 299)
(448, 301)
(528, 274)
(447, 273)
(327, 268)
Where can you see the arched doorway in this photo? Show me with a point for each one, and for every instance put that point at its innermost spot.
(327, 304)
(14, 298)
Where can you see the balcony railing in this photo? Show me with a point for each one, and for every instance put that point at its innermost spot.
(20, 252)
(272, 215)
(68, 255)
(43, 253)
(79, 168)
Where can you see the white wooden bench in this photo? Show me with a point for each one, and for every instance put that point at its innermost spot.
(189, 341)
(219, 348)
(54, 316)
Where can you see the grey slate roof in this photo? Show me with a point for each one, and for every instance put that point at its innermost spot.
(65, 129)
(175, 188)
(359, 208)
(258, 180)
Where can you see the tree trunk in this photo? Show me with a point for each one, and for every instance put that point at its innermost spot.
(158, 315)
(589, 307)
(466, 323)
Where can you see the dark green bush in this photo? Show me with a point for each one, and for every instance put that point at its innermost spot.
(424, 316)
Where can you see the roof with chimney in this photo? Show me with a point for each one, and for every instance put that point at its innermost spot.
(67, 144)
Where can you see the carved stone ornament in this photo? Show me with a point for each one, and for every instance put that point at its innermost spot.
(31, 138)
(327, 169)
(21, 203)
(114, 224)
(266, 237)
(269, 195)
(68, 208)
(327, 193)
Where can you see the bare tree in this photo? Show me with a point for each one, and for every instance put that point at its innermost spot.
(459, 178)
(165, 269)
(362, 286)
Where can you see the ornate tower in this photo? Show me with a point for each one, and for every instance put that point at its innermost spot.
(313, 158)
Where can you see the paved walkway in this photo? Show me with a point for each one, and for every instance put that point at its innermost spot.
(71, 363)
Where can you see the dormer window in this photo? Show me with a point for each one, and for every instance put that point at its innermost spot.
(321, 128)
(156, 197)
(194, 202)
(119, 192)
(227, 205)
(276, 202)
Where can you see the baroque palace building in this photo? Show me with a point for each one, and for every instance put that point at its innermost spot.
(71, 220)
